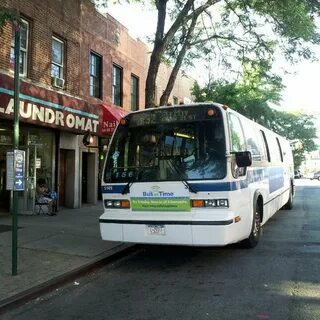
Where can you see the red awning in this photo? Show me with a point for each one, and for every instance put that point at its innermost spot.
(111, 115)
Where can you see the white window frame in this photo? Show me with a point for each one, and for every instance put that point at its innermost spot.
(23, 51)
(60, 66)
(134, 92)
(117, 86)
(95, 78)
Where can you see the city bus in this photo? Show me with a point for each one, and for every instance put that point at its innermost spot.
(198, 175)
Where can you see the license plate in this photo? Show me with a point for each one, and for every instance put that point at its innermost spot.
(156, 230)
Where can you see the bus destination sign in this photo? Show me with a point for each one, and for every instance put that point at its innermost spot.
(168, 115)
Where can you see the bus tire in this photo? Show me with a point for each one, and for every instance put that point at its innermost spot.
(289, 204)
(255, 233)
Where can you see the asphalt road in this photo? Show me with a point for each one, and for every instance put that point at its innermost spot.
(279, 279)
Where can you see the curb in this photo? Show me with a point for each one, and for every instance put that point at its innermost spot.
(32, 293)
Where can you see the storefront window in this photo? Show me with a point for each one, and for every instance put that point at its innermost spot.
(41, 155)
(39, 147)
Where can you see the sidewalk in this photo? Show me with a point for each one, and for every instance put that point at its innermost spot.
(50, 247)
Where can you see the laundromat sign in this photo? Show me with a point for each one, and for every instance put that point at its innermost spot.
(48, 108)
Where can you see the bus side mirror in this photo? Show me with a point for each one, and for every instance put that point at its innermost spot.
(243, 159)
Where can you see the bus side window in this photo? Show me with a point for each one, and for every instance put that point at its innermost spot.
(237, 143)
(273, 148)
(280, 150)
(286, 151)
(254, 142)
(266, 146)
(237, 137)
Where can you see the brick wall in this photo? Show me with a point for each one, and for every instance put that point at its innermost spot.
(47, 18)
(181, 89)
(107, 37)
(5, 40)
(83, 29)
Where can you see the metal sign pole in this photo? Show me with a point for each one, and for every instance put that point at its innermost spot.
(34, 178)
(15, 144)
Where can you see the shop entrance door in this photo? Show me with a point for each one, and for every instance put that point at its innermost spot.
(31, 178)
(88, 183)
(84, 183)
(4, 193)
(67, 178)
(62, 176)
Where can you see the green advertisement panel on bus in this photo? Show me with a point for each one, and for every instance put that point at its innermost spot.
(160, 204)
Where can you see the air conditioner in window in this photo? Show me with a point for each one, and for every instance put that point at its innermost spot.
(57, 82)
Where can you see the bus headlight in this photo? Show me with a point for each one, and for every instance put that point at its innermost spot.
(210, 203)
(222, 203)
(108, 203)
(117, 204)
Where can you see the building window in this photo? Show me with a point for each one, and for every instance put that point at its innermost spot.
(24, 43)
(95, 75)
(117, 85)
(57, 64)
(134, 93)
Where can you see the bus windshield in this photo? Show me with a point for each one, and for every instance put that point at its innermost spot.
(167, 152)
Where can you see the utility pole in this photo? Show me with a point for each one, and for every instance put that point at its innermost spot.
(17, 35)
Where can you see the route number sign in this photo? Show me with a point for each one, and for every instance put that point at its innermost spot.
(16, 170)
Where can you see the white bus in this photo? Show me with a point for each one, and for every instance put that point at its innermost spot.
(199, 175)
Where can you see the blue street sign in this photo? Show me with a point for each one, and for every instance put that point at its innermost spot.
(19, 160)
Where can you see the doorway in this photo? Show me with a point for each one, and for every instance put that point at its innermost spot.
(62, 177)
(4, 193)
(66, 190)
(88, 180)
(84, 182)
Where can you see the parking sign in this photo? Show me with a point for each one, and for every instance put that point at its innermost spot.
(19, 160)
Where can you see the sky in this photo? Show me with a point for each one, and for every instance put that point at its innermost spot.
(302, 88)
(302, 91)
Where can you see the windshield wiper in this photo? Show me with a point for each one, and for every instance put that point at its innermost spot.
(184, 181)
(126, 189)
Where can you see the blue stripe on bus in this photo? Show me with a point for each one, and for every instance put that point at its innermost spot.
(274, 175)
(220, 186)
(216, 186)
(111, 188)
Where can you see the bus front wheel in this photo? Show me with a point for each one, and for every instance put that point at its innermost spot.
(289, 204)
(255, 233)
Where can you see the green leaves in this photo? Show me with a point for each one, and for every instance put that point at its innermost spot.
(251, 96)
(8, 15)
(229, 33)
(296, 127)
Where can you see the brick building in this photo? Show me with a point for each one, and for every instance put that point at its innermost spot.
(181, 90)
(80, 71)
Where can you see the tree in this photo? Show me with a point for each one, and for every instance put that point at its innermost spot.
(252, 102)
(296, 127)
(8, 15)
(250, 95)
(228, 31)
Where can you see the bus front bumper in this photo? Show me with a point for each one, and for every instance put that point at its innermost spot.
(193, 233)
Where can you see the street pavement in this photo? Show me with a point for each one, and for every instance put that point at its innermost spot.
(51, 249)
